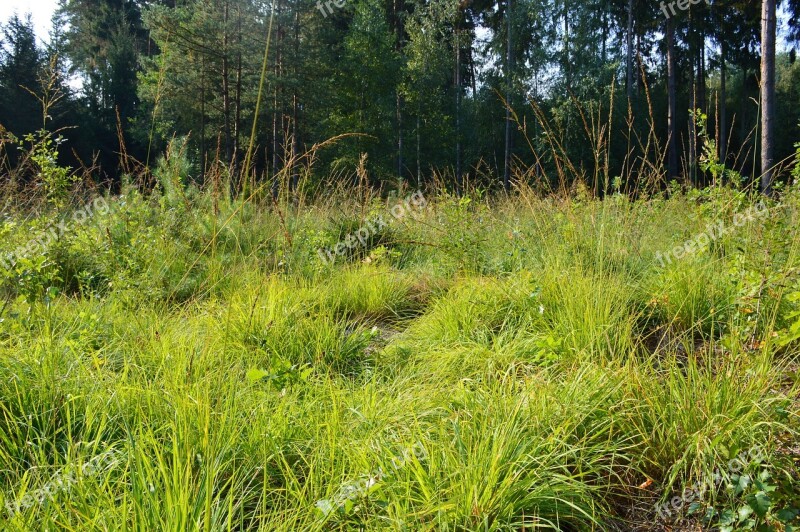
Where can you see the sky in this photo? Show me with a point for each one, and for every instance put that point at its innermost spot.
(40, 10)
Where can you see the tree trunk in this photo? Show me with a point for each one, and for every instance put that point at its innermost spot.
(399, 135)
(203, 117)
(768, 27)
(629, 51)
(509, 67)
(638, 63)
(743, 110)
(701, 95)
(397, 7)
(277, 114)
(723, 108)
(295, 103)
(237, 120)
(419, 150)
(672, 145)
(693, 74)
(605, 37)
(702, 74)
(459, 181)
(472, 74)
(226, 93)
(567, 64)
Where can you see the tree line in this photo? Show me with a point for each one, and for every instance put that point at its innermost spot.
(611, 92)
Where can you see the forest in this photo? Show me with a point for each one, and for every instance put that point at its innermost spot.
(436, 265)
(488, 93)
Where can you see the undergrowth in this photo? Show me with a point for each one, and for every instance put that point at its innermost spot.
(488, 364)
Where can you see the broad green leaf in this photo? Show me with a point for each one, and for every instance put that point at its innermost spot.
(759, 502)
(255, 375)
(742, 483)
(744, 512)
(727, 518)
(694, 508)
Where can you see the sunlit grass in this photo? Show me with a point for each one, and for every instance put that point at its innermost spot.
(506, 365)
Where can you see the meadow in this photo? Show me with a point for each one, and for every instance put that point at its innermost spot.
(410, 266)
(185, 360)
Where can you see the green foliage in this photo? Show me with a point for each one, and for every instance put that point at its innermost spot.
(462, 242)
(415, 85)
(757, 502)
(55, 179)
(34, 279)
(21, 63)
(709, 160)
(792, 334)
(172, 172)
(796, 169)
(241, 384)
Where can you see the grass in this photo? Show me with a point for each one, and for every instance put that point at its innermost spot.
(491, 364)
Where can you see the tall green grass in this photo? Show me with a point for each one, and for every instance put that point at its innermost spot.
(493, 364)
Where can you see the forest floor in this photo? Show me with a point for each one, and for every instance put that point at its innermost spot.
(186, 362)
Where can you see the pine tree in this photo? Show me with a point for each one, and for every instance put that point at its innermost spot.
(21, 63)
